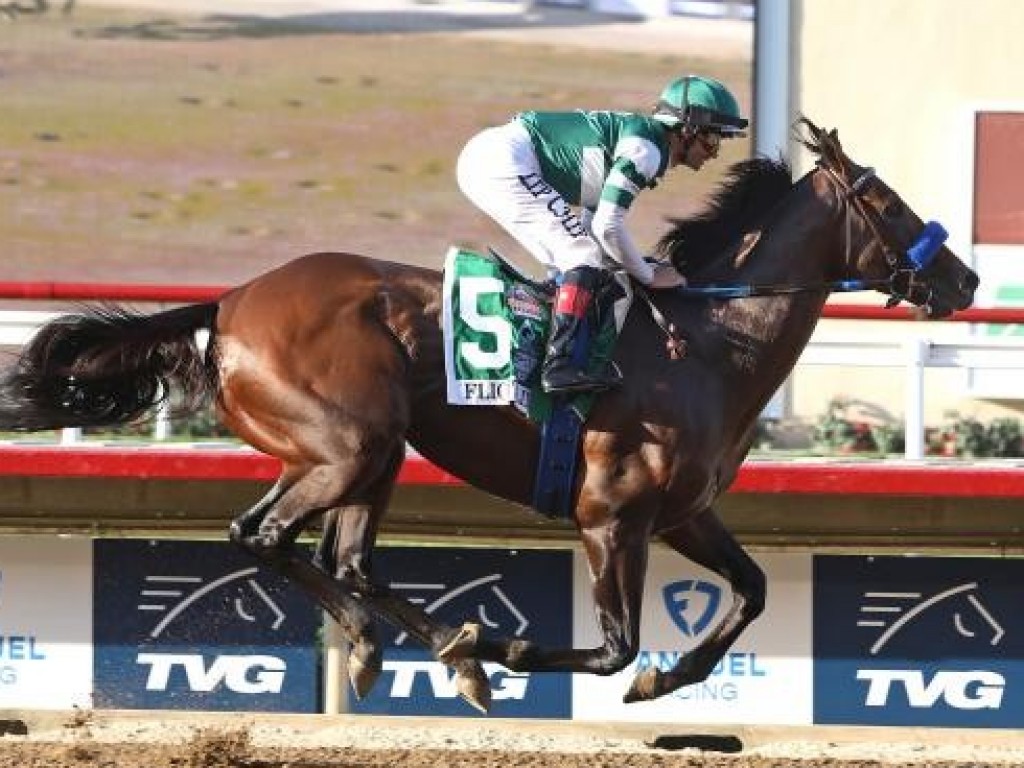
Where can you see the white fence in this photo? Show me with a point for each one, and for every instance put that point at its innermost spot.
(914, 355)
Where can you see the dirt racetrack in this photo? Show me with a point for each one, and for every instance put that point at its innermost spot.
(194, 740)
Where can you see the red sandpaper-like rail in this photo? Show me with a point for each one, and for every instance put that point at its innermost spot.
(159, 294)
(192, 463)
(866, 478)
(173, 294)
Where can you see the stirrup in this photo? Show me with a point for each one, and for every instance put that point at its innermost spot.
(576, 381)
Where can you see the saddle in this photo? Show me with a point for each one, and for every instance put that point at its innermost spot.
(496, 325)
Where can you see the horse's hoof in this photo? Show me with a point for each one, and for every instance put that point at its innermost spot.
(363, 674)
(462, 645)
(645, 686)
(472, 685)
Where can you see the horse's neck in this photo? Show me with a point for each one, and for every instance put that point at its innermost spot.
(801, 246)
(798, 245)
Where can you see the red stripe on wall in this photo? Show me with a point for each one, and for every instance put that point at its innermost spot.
(881, 478)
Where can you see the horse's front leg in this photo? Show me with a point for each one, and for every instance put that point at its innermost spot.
(704, 540)
(616, 550)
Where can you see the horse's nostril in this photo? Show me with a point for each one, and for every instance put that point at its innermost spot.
(969, 281)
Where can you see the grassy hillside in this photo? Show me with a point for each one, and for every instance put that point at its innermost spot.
(144, 148)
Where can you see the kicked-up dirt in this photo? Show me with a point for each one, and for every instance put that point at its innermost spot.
(197, 740)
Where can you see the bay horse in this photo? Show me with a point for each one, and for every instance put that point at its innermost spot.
(334, 362)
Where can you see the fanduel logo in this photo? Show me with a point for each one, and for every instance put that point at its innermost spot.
(683, 602)
(442, 682)
(20, 648)
(725, 683)
(241, 674)
(733, 664)
(967, 689)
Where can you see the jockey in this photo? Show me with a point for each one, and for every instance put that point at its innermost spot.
(561, 183)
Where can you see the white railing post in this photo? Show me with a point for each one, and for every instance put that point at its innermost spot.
(917, 350)
(335, 692)
(70, 435)
(162, 424)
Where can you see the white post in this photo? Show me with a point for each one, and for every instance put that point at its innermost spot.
(917, 350)
(70, 435)
(772, 118)
(335, 692)
(162, 424)
(773, 79)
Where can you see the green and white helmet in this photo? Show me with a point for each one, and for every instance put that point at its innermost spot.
(701, 103)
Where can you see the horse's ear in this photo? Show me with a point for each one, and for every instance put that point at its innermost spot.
(812, 129)
(813, 143)
(830, 149)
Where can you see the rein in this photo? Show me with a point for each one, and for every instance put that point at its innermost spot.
(676, 345)
(745, 290)
(899, 284)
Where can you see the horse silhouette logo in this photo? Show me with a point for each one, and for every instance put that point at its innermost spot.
(692, 604)
(482, 596)
(173, 596)
(894, 611)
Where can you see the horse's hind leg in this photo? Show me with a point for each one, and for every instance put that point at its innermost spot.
(364, 659)
(345, 550)
(269, 530)
(346, 546)
(365, 656)
(704, 540)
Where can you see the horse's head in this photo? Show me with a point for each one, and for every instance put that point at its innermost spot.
(887, 243)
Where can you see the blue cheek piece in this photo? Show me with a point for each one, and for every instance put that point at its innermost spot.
(923, 250)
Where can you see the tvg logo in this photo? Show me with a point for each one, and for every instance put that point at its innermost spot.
(967, 689)
(241, 674)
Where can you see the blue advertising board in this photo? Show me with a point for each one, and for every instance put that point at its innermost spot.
(922, 641)
(197, 625)
(512, 593)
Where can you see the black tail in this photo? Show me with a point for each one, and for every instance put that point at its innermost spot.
(108, 366)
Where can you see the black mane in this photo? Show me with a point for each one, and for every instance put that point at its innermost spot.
(750, 191)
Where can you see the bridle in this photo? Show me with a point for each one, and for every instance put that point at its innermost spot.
(904, 282)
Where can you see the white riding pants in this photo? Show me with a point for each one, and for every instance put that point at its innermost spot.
(499, 172)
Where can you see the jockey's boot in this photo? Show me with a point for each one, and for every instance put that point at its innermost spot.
(580, 288)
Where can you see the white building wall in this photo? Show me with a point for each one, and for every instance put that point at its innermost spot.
(901, 81)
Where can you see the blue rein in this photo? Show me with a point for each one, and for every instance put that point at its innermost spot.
(921, 253)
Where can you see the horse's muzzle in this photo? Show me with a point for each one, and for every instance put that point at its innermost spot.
(949, 296)
(969, 283)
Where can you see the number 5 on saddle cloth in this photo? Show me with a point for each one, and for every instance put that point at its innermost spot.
(495, 324)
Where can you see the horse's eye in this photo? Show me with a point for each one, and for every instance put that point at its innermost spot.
(893, 209)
